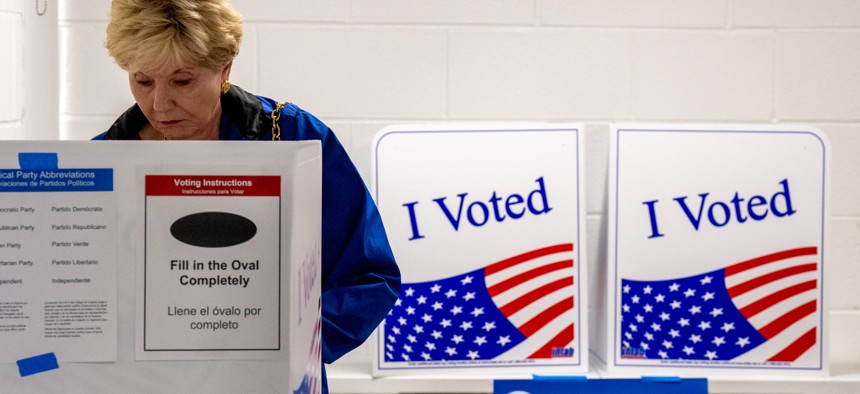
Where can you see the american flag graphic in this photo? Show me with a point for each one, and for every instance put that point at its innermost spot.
(518, 308)
(761, 310)
(312, 381)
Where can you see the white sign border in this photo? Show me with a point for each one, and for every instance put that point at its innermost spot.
(608, 357)
(582, 288)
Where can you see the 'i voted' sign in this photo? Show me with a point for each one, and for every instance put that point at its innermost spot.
(487, 225)
(717, 245)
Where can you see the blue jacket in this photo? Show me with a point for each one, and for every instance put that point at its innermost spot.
(360, 279)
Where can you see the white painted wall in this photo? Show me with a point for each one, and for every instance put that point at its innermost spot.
(29, 76)
(361, 65)
(41, 70)
(11, 64)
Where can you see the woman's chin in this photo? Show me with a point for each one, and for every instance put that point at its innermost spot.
(174, 134)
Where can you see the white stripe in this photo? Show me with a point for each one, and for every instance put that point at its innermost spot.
(765, 290)
(540, 338)
(772, 347)
(767, 316)
(525, 266)
(535, 308)
(812, 357)
(522, 289)
(765, 269)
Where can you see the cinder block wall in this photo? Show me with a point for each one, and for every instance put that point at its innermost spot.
(364, 64)
(11, 65)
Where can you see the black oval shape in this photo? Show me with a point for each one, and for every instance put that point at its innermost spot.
(213, 229)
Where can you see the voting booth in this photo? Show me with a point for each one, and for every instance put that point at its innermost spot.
(487, 224)
(718, 249)
(154, 266)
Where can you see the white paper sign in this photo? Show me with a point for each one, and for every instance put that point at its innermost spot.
(487, 225)
(717, 246)
(57, 259)
(212, 269)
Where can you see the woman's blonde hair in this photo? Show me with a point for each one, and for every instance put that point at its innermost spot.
(143, 34)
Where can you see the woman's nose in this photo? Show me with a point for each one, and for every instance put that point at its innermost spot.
(162, 99)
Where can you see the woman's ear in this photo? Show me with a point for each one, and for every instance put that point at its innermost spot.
(225, 72)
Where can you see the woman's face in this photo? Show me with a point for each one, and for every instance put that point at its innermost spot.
(180, 102)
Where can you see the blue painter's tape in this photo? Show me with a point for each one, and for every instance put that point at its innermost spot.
(38, 161)
(37, 364)
(601, 386)
(563, 378)
(662, 379)
(57, 180)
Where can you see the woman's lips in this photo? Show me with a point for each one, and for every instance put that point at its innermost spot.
(169, 122)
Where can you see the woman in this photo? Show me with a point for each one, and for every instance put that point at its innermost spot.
(178, 55)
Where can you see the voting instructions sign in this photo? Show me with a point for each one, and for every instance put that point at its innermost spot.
(487, 225)
(211, 241)
(717, 249)
(187, 266)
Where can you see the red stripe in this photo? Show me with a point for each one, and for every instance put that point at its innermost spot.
(537, 322)
(781, 323)
(510, 262)
(771, 300)
(759, 261)
(797, 348)
(559, 341)
(771, 277)
(532, 296)
(169, 185)
(500, 287)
